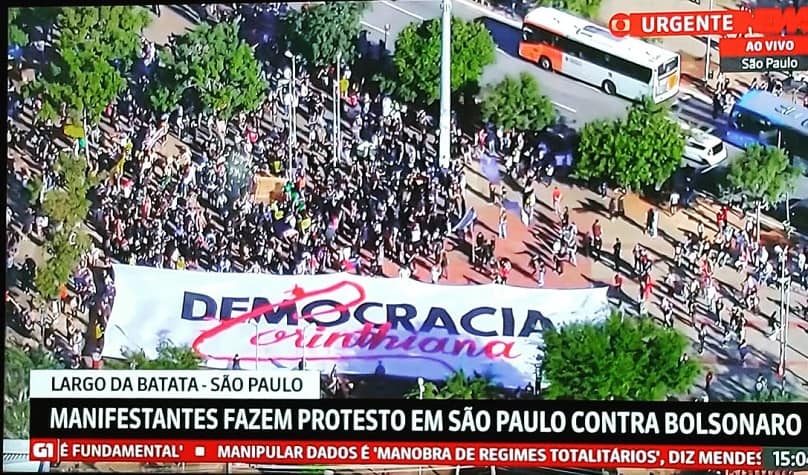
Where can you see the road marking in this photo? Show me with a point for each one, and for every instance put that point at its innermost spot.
(485, 11)
(406, 12)
(566, 108)
(372, 27)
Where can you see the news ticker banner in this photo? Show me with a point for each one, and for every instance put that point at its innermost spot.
(760, 21)
(419, 453)
(237, 416)
(758, 43)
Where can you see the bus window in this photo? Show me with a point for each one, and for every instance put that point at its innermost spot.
(668, 67)
(632, 70)
(537, 35)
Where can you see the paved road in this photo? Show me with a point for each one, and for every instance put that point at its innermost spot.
(573, 99)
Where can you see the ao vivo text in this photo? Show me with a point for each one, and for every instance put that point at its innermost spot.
(764, 21)
(367, 452)
(795, 45)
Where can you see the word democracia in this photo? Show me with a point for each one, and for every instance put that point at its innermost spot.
(425, 420)
(387, 327)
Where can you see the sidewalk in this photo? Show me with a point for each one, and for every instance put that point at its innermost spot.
(732, 379)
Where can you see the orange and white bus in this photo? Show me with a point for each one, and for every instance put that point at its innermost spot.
(627, 67)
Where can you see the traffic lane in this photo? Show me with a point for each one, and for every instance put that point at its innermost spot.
(573, 99)
(700, 113)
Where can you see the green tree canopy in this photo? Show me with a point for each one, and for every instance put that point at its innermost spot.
(23, 20)
(624, 359)
(416, 63)
(16, 34)
(319, 32)
(762, 174)
(218, 66)
(94, 48)
(169, 356)
(18, 366)
(641, 150)
(63, 251)
(584, 8)
(68, 204)
(517, 103)
(458, 386)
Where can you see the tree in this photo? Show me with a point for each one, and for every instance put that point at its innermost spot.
(643, 149)
(218, 66)
(169, 356)
(16, 35)
(517, 104)
(763, 175)
(18, 366)
(94, 48)
(416, 63)
(458, 386)
(584, 8)
(63, 251)
(620, 358)
(23, 20)
(164, 91)
(68, 205)
(319, 32)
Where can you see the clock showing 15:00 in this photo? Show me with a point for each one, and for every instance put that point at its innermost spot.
(791, 458)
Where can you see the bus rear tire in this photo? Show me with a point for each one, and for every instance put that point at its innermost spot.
(609, 88)
(545, 63)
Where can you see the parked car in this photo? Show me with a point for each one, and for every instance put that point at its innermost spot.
(703, 150)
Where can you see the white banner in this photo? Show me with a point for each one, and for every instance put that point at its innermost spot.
(362, 325)
(175, 384)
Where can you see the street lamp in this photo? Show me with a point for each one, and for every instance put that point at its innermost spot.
(337, 106)
(292, 111)
(307, 325)
(709, 51)
(255, 322)
(539, 372)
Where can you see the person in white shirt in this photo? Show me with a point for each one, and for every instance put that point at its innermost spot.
(435, 273)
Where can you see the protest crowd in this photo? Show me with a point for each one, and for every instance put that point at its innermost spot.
(380, 197)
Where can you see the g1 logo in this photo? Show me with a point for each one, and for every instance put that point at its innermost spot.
(620, 24)
(43, 450)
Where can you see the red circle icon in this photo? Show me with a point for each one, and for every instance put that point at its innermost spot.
(620, 24)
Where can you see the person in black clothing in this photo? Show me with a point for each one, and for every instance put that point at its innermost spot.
(719, 307)
(702, 338)
(691, 311)
(718, 107)
(616, 249)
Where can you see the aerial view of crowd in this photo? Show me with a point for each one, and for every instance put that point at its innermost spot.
(177, 188)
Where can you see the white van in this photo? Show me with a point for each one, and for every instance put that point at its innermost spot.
(703, 151)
